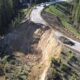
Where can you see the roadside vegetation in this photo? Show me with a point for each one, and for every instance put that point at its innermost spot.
(67, 67)
(11, 13)
(64, 13)
(21, 14)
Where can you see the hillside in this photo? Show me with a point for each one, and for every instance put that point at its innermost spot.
(34, 45)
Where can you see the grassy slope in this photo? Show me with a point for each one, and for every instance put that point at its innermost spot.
(56, 10)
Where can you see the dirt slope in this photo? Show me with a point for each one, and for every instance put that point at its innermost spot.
(33, 44)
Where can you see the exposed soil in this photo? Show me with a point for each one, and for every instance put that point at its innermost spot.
(55, 23)
(33, 44)
(23, 42)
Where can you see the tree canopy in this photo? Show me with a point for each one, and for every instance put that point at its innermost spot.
(76, 14)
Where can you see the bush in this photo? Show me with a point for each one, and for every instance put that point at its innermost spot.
(13, 69)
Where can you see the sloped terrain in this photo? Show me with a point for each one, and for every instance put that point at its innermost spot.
(67, 67)
(34, 45)
(56, 24)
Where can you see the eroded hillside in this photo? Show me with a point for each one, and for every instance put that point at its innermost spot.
(34, 45)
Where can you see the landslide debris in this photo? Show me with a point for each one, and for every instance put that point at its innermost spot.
(34, 45)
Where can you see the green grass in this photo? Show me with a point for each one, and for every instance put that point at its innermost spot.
(60, 7)
(63, 18)
(71, 29)
(55, 12)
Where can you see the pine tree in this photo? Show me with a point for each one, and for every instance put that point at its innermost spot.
(76, 14)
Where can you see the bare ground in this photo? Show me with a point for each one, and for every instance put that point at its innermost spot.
(33, 44)
(23, 42)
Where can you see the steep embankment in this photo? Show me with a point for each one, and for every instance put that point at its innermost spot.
(50, 49)
(34, 45)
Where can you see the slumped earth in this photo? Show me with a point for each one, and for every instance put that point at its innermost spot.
(33, 53)
(33, 45)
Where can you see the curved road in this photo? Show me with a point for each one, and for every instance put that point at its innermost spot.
(35, 16)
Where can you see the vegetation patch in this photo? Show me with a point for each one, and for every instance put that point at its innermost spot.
(12, 68)
(67, 67)
(21, 14)
(61, 11)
